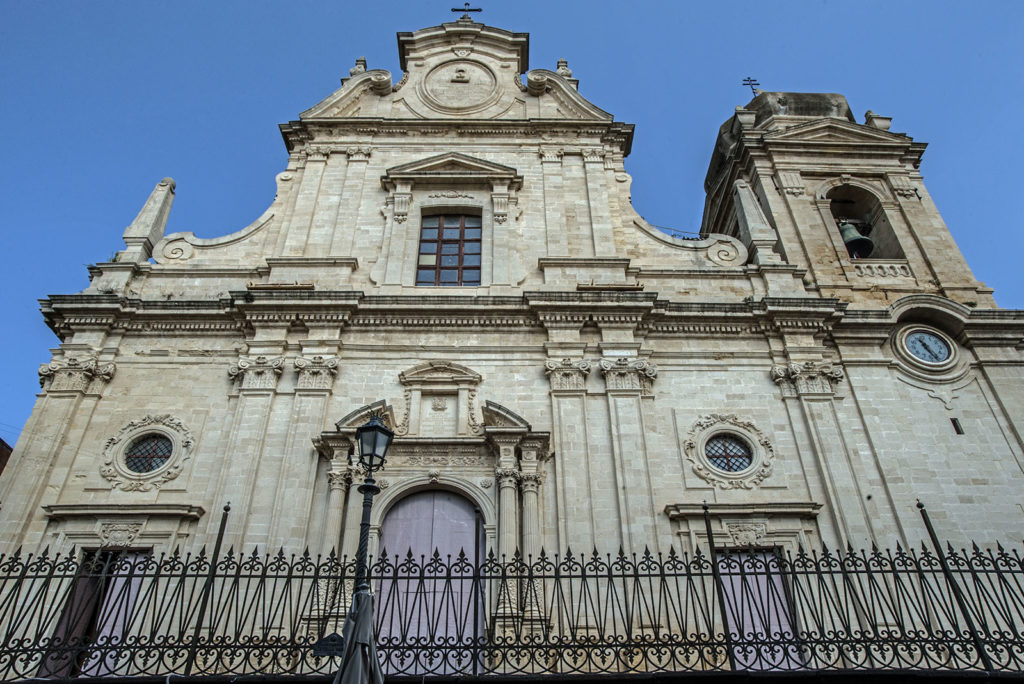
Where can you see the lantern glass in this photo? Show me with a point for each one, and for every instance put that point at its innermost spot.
(374, 439)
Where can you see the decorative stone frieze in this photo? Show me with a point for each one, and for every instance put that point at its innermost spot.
(119, 534)
(114, 469)
(74, 373)
(629, 373)
(882, 270)
(567, 374)
(811, 377)
(257, 373)
(316, 372)
(715, 424)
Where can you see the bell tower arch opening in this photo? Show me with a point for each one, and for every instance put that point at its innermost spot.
(863, 224)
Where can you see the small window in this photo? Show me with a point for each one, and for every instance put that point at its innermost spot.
(449, 253)
(148, 453)
(729, 453)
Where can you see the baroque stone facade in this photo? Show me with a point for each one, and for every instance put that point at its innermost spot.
(455, 250)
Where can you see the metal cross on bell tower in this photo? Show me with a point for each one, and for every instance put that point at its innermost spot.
(466, 10)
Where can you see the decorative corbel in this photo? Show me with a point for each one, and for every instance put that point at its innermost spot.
(499, 199)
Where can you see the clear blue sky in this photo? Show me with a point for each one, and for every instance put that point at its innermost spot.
(99, 100)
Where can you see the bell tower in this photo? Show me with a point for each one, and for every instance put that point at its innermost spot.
(846, 200)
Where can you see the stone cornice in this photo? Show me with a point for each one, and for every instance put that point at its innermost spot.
(800, 509)
(354, 130)
(156, 510)
(241, 310)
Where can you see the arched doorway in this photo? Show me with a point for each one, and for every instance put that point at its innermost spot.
(430, 610)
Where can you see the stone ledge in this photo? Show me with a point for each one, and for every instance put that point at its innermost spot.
(65, 511)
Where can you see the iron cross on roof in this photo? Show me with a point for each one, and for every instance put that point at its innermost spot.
(748, 81)
(467, 9)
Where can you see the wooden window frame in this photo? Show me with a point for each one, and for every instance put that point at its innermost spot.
(450, 221)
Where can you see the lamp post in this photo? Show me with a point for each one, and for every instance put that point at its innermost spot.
(356, 646)
(373, 440)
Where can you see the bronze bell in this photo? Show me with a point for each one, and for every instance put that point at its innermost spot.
(859, 246)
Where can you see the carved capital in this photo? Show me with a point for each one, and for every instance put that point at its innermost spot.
(317, 152)
(551, 155)
(811, 377)
(593, 154)
(339, 480)
(629, 373)
(359, 153)
(531, 482)
(74, 373)
(506, 477)
(256, 373)
(567, 374)
(317, 372)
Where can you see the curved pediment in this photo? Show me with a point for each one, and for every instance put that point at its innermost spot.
(439, 373)
(459, 70)
(498, 416)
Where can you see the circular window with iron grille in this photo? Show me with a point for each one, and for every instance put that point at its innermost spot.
(729, 453)
(147, 453)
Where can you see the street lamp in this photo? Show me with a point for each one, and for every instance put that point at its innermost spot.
(373, 440)
(356, 646)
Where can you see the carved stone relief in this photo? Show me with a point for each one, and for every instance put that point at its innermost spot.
(119, 535)
(747, 532)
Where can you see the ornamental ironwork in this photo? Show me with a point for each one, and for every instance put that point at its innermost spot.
(132, 614)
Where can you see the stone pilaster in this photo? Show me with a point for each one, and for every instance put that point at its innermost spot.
(627, 380)
(255, 380)
(597, 194)
(72, 386)
(573, 484)
(554, 201)
(811, 384)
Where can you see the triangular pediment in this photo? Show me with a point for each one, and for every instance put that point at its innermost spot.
(451, 162)
(835, 131)
(451, 167)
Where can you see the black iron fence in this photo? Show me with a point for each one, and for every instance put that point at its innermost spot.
(102, 613)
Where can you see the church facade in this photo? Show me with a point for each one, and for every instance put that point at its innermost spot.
(454, 249)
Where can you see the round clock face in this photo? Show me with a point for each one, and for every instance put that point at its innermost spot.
(927, 346)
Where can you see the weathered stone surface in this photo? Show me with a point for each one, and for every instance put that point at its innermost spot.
(573, 394)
